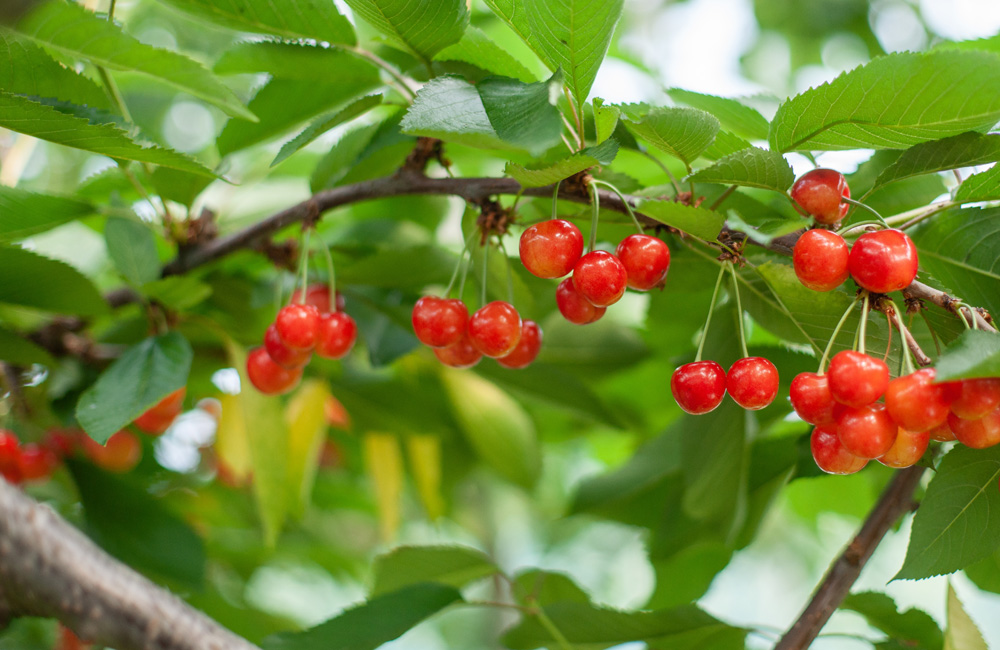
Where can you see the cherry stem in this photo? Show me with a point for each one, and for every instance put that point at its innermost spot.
(595, 206)
(555, 199)
(459, 265)
(711, 308)
(510, 272)
(975, 324)
(862, 328)
(465, 274)
(628, 206)
(866, 207)
(486, 271)
(331, 278)
(304, 265)
(739, 310)
(907, 354)
(860, 224)
(833, 337)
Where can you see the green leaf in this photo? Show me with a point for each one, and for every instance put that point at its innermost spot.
(962, 497)
(25, 69)
(291, 19)
(573, 36)
(961, 632)
(964, 150)
(513, 13)
(545, 587)
(742, 120)
(174, 185)
(324, 123)
(725, 144)
(524, 115)
(601, 154)
(423, 27)
(700, 222)
(751, 167)
(766, 231)
(476, 48)
(23, 214)
(605, 119)
(893, 102)
(177, 292)
(450, 109)
(912, 628)
(68, 28)
(974, 354)
(984, 186)
(138, 529)
(32, 280)
(46, 123)
(450, 565)
(20, 351)
(142, 376)
(683, 133)
(362, 153)
(372, 623)
(297, 61)
(132, 248)
(714, 466)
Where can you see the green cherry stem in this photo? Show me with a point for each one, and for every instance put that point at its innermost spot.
(866, 207)
(331, 274)
(303, 274)
(863, 326)
(555, 199)
(833, 337)
(510, 272)
(739, 311)
(486, 271)
(711, 309)
(907, 354)
(595, 205)
(459, 265)
(628, 206)
(859, 224)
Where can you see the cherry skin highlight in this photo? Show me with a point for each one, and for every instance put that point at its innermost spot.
(551, 249)
(281, 354)
(974, 398)
(646, 260)
(335, 335)
(267, 376)
(811, 398)
(820, 260)
(857, 379)
(601, 278)
(819, 191)
(495, 328)
(915, 402)
(698, 387)
(459, 355)
(978, 434)
(574, 307)
(908, 448)
(883, 261)
(830, 454)
(752, 382)
(527, 348)
(867, 431)
(296, 325)
(439, 322)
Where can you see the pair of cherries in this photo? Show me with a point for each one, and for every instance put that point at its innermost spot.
(699, 387)
(554, 248)
(495, 330)
(28, 462)
(306, 325)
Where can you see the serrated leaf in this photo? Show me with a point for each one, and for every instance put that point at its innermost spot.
(731, 113)
(450, 109)
(362, 153)
(132, 248)
(324, 123)
(424, 454)
(306, 421)
(142, 376)
(524, 115)
(753, 167)
(725, 144)
(31, 280)
(700, 222)
(603, 153)
(296, 61)
(46, 123)
(384, 462)
(19, 351)
(605, 119)
(25, 69)
(958, 522)
(478, 49)
(73, 31)
(684, 133)
(423, 27)
(291, 19)
(449, 565)
(573, 36)
(23, 214)
(974, 354)
(984, 186)
(961, 632)
(964, 150)
(912, 628)
(893, 102)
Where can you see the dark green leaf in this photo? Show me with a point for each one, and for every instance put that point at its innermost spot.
(25, 69)
(974, 354)
(19, 351)
(963, 150)
(324, 123)
(715, 465)
(984, 186)
(141, 377)
(32, 280)
(409, 565)
(913, 628)
(476, 48)
(700, 222)
(751, 167)
(132, 248)
(286, 18)
(524, 115)
(733, 115)
(24, 213)
(424, 27)
(452, 110)
(603, 153)
(601, 347)
(683, 133)
(296, 61)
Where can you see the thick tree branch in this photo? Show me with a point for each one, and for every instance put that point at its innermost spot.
(896, 500)
(49, 568)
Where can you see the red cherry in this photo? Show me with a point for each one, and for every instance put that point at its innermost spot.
(527, 348)
(119, 454)
(752, 382)
(574, 307)
(698, 387)
(318, 295)
(908, 448)
(916, 402)
(974, 398)
(978, 434)
(942, 432)
(439, 322)
(830, 454)
(883, 261)
(867, 431)
(296, 325)
(811, 398)
(459, 355)
(10, 457)
(495, 328)
(161, 415)
(551, 248)
(281, 354)
(820, 260)
(37, 462)
(600, 277)
(335, 335)
(857, 379)
(646, 260)
(819, 192)
(267, 376)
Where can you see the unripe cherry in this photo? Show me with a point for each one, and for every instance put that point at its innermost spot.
(819, 192)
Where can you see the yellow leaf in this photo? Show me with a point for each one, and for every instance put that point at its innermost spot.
(425, 463)
(384, 461)
(306, 421)
(231, 444)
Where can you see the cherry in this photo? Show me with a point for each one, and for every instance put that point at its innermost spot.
(495, 328)
(161, 415)
(551, 248)
(37, 462)
(10, 456)
(574, 307)
(978, 434)
(908, 448)
(296, 325)
(119, 454)
(318, 295)
(267, 376)
(335, 335)
(830, 454)
(974, 398)
(281, 354)
(915, 402)
(698, 387)
(883, 261)
(819, 192)
(811, 398)
(820, 260)
(942, 432)
(857, 379)
(867, 431)
(459, 355)
(752, 382)
(600, 277)
(527, 348)
(439, 322)
(646, 260)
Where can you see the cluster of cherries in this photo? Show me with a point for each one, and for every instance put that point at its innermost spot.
(306, 325)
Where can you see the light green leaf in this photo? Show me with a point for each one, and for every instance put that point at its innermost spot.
(547, 587)
(700, 222)
(974, 354)
(476, 48)
(573, 36)
(523, 115)
(605, 119)
(742, 120)
(297, 61)
(893, 102)
(601, 154)
(409, 565)
(424, 27)
(984, 186)
(324, 123)
(912, 628)
(177, 292)
(513, 13)
(73, 31)
(683, 133)
(132, 248)
(32, 280)
(142, 376)
(450, 109)
(964, 150)
(292, 19)
(961, 632)
(174, 185)
(25, 69)
(23, 214)
(20, 351)
(751, 167)
(725, 144)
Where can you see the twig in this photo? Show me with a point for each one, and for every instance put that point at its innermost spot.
(887, 308)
